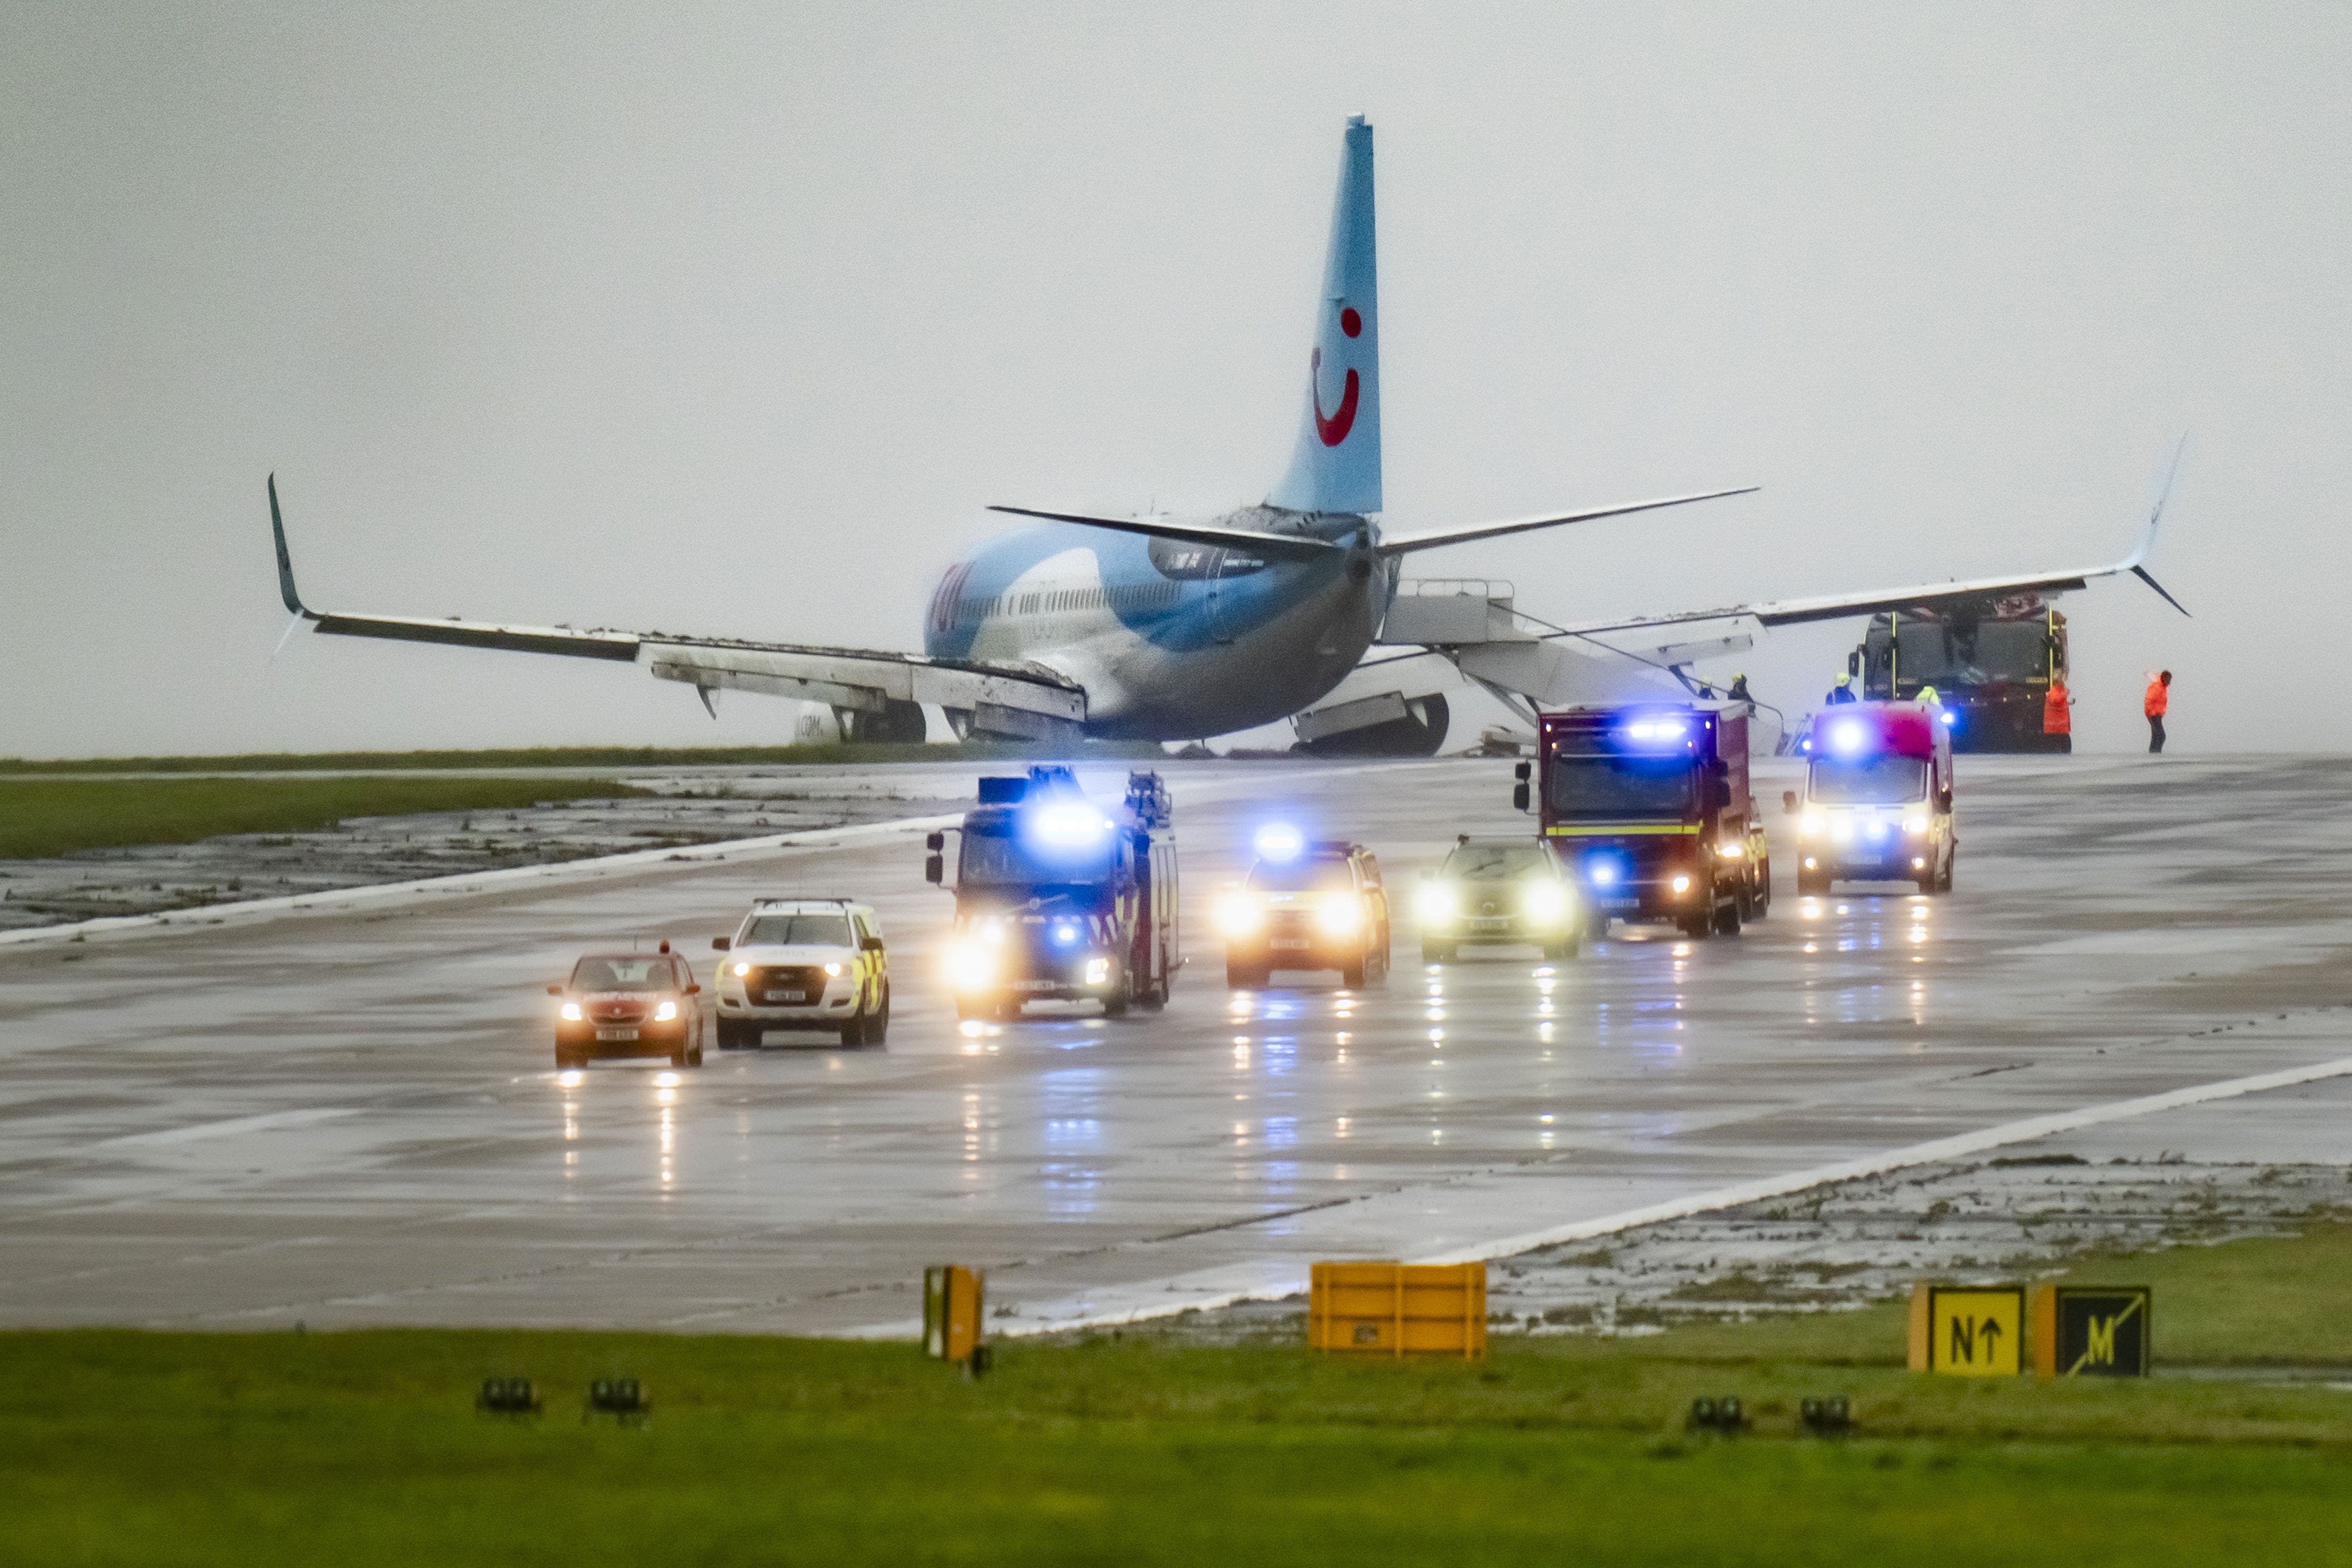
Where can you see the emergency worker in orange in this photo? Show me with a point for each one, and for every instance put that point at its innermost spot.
(2057, 708)
(2159, 699)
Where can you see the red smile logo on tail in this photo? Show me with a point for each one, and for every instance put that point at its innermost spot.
(1333, 429)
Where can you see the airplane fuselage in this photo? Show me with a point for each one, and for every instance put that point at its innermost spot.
(1171, 641)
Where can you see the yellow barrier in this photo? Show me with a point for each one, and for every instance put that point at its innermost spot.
(1398, 1309)
(952, 1298)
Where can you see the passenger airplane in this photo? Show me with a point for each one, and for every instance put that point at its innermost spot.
(1148, 627)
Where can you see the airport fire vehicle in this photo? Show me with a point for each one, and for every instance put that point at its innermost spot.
(1060, 899)
(1307, 904)
(1650, 805)
(804, 963)
(1878, 798)
(1990, 664)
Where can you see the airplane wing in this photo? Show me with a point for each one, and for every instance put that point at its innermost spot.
(1920, 596)
(1025, 700)
(1430, 539)
(1298, 546)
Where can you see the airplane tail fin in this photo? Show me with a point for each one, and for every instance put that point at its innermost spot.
(1337, 465)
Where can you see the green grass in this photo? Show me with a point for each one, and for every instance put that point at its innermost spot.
(586, 757)
(42, 817)
(360, 1449)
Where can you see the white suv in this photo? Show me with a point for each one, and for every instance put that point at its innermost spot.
(804, 963)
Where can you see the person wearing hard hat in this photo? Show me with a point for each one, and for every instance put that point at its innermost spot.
(1843, 691)
(1928, 696)
(1738, 692)
(2154, 704)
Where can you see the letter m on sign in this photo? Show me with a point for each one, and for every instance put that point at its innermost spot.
(2100, 1349)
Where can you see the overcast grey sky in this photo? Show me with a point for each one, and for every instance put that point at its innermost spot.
(733, 318)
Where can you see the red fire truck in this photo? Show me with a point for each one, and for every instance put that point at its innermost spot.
(1649, 805)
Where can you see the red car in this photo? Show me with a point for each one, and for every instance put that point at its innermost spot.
(629, 1004)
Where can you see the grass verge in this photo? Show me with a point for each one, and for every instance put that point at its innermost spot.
(41, 818)
(363, 1447)
(588, 757)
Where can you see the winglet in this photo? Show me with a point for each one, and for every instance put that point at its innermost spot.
(2134, 562)
(285, 561)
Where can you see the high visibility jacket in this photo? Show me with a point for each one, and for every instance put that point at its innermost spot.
(2057, 714)
(2159, 699)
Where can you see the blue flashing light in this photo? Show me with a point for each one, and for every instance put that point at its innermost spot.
(1066, 935)
(1849, 737)
(1280, 841)
(1068, 825)
(1602, 871)
(1656, 731)
(1951, 718)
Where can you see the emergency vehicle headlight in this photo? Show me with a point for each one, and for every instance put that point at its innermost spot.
(1915, 825)
(1239, 914)
(1341, 914)
(832, 972)
(1280, 841)
(1097, 970)
(1545, 904)
(741, 970)
(1603, 873)
(1066, 935)
(993, 931)
(1731, 851)
(971, 966)
(664, 1012)
(1435, 904)
(1813, 822)
(1919, 862)
(1682, 884)
(571, 1012)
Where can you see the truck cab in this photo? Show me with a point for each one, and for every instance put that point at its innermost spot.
(1061, 899)
(1877, 804)
(1649, 807)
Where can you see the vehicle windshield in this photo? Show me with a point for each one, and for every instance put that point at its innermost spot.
(1881, 780)
(1000, 859)
(1967, 655)
(1616, 787)
(796, 930)
(622, 975)
(1497, 862)
(1306, 875)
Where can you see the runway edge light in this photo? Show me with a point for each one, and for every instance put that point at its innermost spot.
(2092, 1330)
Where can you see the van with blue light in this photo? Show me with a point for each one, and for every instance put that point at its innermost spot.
(1308, 904)
(1878, 798)
(1060, 899)
(1649, 805)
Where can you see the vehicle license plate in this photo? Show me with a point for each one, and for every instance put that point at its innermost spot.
(616, 1034)
(1033, 985)
(1500, 924)
(783, 996)
(1290, 943)
(1619, 903)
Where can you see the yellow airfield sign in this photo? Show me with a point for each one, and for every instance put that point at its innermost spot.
(1974, 1331)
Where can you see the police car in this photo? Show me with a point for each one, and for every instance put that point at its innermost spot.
(804, 963)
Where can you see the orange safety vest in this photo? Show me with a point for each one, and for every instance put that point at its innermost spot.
(2159, 698)
(2057, 714)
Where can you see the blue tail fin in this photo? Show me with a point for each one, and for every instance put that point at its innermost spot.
(1338, 465)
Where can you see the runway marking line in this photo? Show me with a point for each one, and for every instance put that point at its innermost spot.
(1090, 1312)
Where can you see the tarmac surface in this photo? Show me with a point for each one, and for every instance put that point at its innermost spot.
(350, 1116)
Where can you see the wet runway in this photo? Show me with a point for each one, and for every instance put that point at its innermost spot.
(349, 1118)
